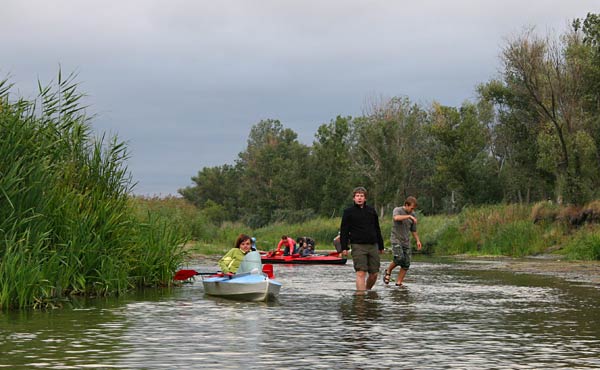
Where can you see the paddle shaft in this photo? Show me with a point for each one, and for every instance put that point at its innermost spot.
(186, 274)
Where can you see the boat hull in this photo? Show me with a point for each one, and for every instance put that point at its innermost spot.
(308, 260)
(246, 287)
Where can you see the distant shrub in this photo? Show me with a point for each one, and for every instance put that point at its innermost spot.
(178, 212)
(517, 238)
(585, 244)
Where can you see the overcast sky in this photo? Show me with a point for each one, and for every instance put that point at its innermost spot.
(184, 81)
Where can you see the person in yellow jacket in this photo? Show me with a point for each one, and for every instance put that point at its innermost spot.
(231, 261)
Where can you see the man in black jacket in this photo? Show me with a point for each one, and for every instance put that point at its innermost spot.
(360, 229)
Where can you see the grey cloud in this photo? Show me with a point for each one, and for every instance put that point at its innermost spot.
(183, 81)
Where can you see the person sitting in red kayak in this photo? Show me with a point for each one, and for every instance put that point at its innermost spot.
(289, 246)
(306, 246)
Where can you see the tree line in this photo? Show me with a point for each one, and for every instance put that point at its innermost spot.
(532, 133)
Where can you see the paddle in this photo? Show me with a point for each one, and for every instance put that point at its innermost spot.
(267, 269)
(186, 274)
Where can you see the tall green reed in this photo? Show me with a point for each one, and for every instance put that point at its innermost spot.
(66, 226)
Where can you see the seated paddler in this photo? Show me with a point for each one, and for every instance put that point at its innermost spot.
(232, 260)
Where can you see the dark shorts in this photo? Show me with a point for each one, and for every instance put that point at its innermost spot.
(366, 257)
(401, 255)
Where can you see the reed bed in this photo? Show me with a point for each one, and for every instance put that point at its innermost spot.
(66, 226)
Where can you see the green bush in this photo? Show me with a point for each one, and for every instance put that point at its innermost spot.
(585, 245)
(517, 238)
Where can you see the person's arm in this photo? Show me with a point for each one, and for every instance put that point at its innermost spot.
(378, 231)
(405, 217)
(345, 231)
(225, 261)
(416, 236)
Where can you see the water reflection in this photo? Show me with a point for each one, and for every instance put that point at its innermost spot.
(363, 306)
(447, 316)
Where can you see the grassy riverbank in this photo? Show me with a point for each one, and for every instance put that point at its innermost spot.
(498, 230)
(521, 230)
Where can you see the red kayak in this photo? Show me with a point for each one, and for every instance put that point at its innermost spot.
(313, 259)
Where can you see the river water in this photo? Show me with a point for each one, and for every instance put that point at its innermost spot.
(449, 315)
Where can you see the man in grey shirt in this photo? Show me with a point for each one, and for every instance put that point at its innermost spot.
(405, 223)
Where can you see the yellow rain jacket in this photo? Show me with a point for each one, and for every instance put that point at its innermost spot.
(231, 261)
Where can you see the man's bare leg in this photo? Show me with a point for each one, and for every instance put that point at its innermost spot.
(361, 284)
(371, 280)
(401, 275)
(391, 267)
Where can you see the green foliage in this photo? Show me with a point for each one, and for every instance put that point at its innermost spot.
(217, 190)
(517, 238)
(191, 222)
(453, 241)
(391, 151)
(331, 167)
(158, 250)
(500, 230)
(322, 230)
(292, 215)
(274, 169)
(585, 244)
(547, 88)
(463, 170)
(494, 230)
(65, 223)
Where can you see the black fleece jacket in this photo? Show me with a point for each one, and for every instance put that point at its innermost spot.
(360, 225)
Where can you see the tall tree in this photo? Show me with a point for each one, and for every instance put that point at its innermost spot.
(513, 130)
(273, 164)
(542, 75)
(217, 185)
(462, 167)
(389, 150)
(332, 167)
(587, 52)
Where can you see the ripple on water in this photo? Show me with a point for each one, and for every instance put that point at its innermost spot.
(445, 317)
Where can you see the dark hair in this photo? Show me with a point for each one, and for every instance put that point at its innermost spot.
(283, 237)
(242, 238)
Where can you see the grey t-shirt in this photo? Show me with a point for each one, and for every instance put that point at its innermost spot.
(401, 230)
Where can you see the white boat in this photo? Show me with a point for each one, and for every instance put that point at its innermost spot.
(251, 286)
(251, 283)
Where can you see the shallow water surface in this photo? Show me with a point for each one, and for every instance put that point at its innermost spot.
(447, 316)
